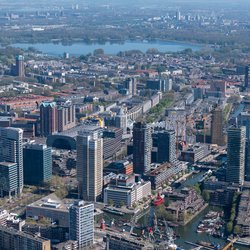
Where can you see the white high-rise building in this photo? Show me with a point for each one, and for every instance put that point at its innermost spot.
(11, 150)
(81, 224)
(236, 147)
(90, 164)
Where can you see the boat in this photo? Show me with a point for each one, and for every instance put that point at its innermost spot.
(159, 200)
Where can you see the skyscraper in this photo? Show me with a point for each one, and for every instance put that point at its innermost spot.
(11, 150)
(81, 224)
(48, 118)
(90, 164)
(165, 141)
(236, 155)
(217, 136)
(37, 163)
(142, 145)
(20, 66)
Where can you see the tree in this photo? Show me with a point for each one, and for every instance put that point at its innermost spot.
(111, 202)
(98, 52)
(229, 227)
(197, 188)
(206, 195)
(122, 203)
(237, 229)
(167, 202)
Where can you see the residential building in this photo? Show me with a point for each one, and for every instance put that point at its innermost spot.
(11, 238)
(114, 242)
(11, 150)
(236, 145)
(66, 115)
(81, 228)
(48, 118)
(37, 163)
(142, 146)
(90, 164)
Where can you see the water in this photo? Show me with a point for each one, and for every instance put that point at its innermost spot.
(77, 49)
(188, 232)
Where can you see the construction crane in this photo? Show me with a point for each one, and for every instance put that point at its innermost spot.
(229, 246)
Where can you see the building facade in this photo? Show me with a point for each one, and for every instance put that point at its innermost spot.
(11, 150)
(90, 164)
(236, 145)
(165, 142)
(8, 179)
(37, 163)
(142, 146)
(11, 238)
(48, 118)
(81, 228)
(217, 136)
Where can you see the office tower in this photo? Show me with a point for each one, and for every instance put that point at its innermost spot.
(37, 163)
(246, 76)
(11, 150)
(247, 162)
(81, 224)
(90, 164)
(121, 121)
(244, 120)
(66, 116)
(20, 66)
(217, 136)
(48, 118)
(236, 155)
(131, 85)
(142, 146)
(165, 141)
(11, 238)
(8, 179)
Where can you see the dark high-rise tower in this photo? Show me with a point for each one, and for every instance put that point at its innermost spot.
(37, 163)
(165, 142)
(11, 150)
(246, 76)
(20, 66)
(236, 146)
(48, 118)
(217, 136)
(142, 145)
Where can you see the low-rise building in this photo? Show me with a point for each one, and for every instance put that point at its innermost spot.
(52, 208)
(126, 191)
(195, 152)
(11, 238)
(163, 173)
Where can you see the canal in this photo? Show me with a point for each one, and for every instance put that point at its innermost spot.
(188, 232)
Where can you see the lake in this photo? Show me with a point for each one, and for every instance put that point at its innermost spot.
(76, 49)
